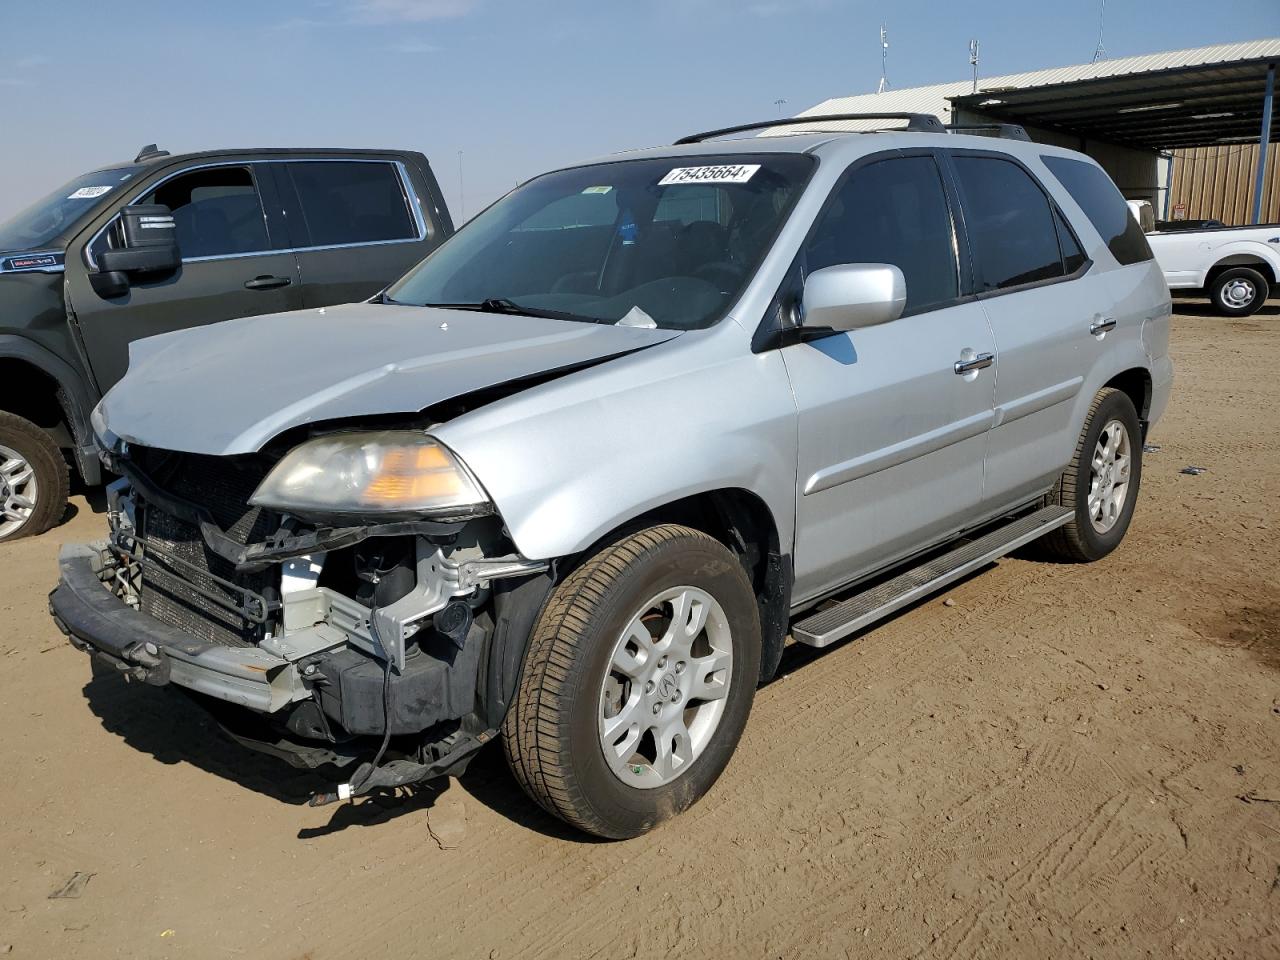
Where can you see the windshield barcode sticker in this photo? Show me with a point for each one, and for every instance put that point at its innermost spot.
(88, 193)
(732, 173)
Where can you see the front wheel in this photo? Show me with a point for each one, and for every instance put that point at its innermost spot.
(33, 479)
(1101, 484)
(637, 683)
(1239, 291)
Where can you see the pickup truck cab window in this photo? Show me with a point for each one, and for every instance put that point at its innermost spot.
(665, 242)
(1010, 224)
(892, 211)
(217, 211)
(347, 202)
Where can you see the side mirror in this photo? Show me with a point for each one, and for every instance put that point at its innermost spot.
(852, 295)
(149, 245)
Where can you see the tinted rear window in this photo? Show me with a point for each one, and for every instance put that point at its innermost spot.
(352, 202)
(1009, 222)
(1104, 206)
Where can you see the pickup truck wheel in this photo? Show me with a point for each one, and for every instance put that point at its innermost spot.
(1239, 292)
(1101, 483)
(34, 481)
(637, 683)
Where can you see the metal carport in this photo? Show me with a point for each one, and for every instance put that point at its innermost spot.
(1125, 111)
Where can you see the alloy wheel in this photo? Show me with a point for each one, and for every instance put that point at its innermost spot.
(664, 693)
(1109, 476)
(19, 491)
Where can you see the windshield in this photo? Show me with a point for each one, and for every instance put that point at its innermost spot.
(668, 242)
(41, 222)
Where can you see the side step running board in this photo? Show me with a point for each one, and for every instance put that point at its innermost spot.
(838, 621)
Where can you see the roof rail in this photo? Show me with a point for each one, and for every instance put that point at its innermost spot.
(1005, 131)
(149, 152)
(916, 123)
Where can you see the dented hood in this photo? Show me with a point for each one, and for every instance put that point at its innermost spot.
(230, 387)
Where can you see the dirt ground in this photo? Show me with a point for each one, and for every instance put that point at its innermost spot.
(1069, 761)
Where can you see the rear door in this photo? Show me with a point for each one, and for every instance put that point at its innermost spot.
(356, 225)
(891, 435)
(1044, 304)
(234, 264)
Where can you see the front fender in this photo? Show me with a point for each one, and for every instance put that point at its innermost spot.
(78, 403)
(571, 460)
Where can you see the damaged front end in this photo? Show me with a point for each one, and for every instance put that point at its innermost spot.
(327, 640)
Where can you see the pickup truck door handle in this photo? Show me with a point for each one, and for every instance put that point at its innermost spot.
(1101, 326)
(980, 362)
(266, 282)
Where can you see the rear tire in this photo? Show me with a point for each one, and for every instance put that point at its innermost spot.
(1091, 485)
(1239, 291)
(34, 480)
(672, 608)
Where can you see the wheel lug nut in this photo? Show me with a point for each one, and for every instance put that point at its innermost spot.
(676, 697)
(662, 663)
(657, 708)
(648, 687)
(679, 666)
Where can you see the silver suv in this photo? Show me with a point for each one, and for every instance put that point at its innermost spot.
(574, 479)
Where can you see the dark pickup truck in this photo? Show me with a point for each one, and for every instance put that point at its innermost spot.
(173, 241)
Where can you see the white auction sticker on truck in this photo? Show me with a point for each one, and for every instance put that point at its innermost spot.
(729, 173)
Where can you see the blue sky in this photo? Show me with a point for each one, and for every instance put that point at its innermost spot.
(519, 86)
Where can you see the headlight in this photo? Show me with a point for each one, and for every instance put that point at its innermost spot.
(391, 473)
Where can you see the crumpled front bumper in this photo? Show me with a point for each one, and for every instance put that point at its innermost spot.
(98, 622)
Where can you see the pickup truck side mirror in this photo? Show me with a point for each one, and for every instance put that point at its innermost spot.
(150, 245)
(852, 295)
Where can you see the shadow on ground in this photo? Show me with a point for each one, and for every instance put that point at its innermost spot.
(1201, 309)
(167, 725)
(173, 729)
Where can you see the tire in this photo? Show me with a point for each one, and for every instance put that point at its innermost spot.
(34, 480)
(1239, 291)
(1082, 540)
(555, 731)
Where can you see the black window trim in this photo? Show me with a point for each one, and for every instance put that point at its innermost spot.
(413, 203)
(424, 231)
(771, 337)
(973, 292)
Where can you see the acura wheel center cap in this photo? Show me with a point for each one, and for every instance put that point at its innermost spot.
(667, 686)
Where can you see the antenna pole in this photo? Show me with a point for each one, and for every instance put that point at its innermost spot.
(973, 62)
(780, 103)
(462, 196)
(1100, 51)
(884, 60)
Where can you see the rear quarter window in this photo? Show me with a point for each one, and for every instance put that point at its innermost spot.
(1103, 204)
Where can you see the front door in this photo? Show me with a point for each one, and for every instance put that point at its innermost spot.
(232, 266)
(891, 436)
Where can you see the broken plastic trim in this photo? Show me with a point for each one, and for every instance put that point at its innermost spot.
(283, 544)
(404, 772)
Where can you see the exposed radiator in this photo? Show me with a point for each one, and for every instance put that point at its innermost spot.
(178, 594)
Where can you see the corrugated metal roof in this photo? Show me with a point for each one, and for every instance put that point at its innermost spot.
(935, 98)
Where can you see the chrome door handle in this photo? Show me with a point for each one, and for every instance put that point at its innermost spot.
(980, 362)
(1101, 326)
